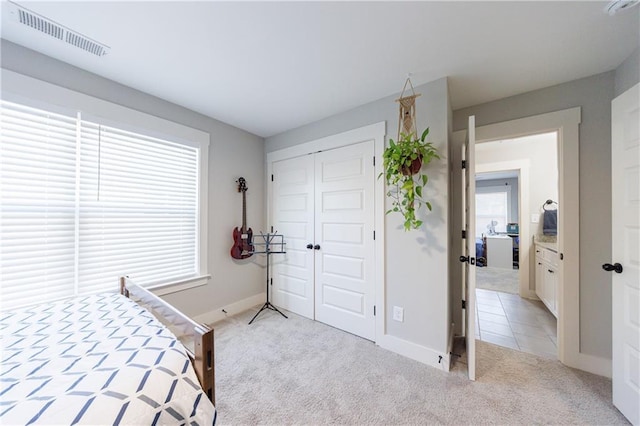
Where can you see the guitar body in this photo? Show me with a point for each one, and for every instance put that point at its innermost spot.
(242, 244)
(242, 236)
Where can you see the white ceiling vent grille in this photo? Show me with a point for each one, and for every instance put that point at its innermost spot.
(53, 29)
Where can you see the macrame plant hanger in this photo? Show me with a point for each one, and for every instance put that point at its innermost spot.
(407, 115)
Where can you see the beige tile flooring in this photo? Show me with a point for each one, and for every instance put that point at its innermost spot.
(508, 320)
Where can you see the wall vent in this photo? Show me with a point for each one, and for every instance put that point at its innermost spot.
(53, 29)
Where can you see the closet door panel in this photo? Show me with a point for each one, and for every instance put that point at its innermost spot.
(293, 212)
(344, 218)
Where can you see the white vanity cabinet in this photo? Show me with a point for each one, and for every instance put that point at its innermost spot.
(547, 276)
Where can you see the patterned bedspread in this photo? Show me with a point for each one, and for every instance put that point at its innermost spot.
(95, 360)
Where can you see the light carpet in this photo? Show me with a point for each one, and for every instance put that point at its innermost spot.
(498, 279)
(298, 371)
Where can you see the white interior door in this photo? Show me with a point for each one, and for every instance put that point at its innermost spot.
(293, 217)
(625, 179)
(469, 245)
(344, 249)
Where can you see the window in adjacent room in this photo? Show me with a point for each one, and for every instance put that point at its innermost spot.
(492, 205)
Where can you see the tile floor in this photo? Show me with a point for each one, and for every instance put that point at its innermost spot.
(508, 320)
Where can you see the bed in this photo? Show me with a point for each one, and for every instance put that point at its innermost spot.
(106, 359)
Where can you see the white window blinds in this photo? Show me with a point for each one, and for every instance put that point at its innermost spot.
(83, 203)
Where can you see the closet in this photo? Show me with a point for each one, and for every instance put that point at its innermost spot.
(323, 205)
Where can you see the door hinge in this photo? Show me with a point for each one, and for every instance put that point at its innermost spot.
(271, 178)
(464, 164)
(374, 310)
(272, 228)
(464, 234)
(271, 281)
(374, 235)
(374, 161)
(464, 304)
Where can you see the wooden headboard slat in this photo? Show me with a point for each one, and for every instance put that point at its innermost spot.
(196, 338)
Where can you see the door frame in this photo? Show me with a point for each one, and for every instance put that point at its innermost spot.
(566, 123)
(377, 133)
(522, 167)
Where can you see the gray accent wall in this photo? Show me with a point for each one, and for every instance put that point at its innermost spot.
(232, 153)
(416, 261)
(628, 73)
(593, 94)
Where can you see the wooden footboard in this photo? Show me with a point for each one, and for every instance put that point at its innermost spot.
(196, 338)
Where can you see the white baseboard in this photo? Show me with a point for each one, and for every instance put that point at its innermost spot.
(450, 347)
(232, 309)
(591, 364)
(422, 354)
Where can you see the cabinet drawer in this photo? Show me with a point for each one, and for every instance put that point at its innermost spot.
(551, 257)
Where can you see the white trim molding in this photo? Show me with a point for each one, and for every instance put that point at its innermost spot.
(567, 124)
(223, 312)
(419, 353)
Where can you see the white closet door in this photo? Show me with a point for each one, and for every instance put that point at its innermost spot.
(344, 253)
(625, 250)
(293, 208)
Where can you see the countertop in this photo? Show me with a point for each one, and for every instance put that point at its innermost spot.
(550, 246)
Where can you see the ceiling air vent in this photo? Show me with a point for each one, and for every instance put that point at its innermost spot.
(616, 6)
(53, 29)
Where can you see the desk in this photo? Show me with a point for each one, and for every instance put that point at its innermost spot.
(500, 251)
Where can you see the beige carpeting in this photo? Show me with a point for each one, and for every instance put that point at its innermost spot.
(498, 279)
(297, 371)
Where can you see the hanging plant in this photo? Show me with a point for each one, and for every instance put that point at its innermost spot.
(403, 162)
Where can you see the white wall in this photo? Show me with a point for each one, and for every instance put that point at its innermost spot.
(232, 153)
(416, 261)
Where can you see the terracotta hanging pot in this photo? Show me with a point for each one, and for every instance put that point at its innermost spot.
(415, 167)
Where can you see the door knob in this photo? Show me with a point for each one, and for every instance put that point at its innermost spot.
(309, 246)
(317, 247)
(616, 267)
(464, 259)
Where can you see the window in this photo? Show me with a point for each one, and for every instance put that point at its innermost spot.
(83, 203)
(492, 209)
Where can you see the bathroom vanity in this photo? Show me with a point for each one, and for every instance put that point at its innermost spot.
(546, 275)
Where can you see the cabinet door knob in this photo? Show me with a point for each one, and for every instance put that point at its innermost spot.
(316, 247)
(309, 246)
(616, 267)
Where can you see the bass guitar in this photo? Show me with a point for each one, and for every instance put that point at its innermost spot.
(242, 237)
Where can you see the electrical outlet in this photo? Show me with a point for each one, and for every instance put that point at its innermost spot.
(535, 217)
(398, 313)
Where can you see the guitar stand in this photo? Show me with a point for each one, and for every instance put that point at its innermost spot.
(270, 240)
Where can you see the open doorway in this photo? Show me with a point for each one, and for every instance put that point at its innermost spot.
(514, 180)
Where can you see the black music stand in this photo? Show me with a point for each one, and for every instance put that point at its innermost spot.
(269, 241)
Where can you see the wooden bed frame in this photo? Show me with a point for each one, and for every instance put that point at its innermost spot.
(196, 338)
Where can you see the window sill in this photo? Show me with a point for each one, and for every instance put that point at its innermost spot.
(164, 289)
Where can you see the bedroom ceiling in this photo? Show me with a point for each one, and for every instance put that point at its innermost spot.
(267, 67)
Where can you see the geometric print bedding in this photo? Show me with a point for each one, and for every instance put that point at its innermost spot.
(100, 359)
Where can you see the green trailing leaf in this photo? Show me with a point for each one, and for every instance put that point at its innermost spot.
(405, 191)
